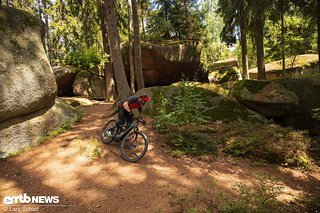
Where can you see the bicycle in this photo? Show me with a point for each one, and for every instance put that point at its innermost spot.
(134, 144)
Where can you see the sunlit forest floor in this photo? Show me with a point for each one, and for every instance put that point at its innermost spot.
(159, 182)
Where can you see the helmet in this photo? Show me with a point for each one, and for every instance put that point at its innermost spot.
(145, 97)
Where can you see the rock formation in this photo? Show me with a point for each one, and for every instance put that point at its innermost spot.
(28, 109)
(290, 102)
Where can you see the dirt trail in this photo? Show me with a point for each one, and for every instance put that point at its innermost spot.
(109, 184)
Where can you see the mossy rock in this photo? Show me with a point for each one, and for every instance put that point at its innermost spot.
(301, 117)
(307, 90)
(81, 83)
(299, 66)
(218, 107)
(265, 97)
(252, 86)
(223, 74)
(21, 18)
(84, 74)
(224, 71)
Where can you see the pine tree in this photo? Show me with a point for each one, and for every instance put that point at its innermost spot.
(122, 86)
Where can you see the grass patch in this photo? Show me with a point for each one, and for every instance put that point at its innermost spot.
(89, 148)
(262, 197)
(63, 128)
(191, 143)
(262, 142)
(310, 202)
(268, 142)
(79, 116)
(184, 113)
(198, 200)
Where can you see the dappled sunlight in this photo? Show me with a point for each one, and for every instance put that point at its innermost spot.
(196, 171)
(65, 167)
(131, 175)
(162, 182)
(71, 182)
(6, 185)
(95, 194)
(174, 175)
(164, 169)
(227, 180)
(289, 194)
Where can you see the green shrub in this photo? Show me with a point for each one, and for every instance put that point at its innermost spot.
(85, 59)
(186, 109)
(268, 142)
(178, 115)
(183, 143)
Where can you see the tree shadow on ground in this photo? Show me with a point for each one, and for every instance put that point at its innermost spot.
(109, 184)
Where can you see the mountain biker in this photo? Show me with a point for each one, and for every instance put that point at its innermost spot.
(126, 105)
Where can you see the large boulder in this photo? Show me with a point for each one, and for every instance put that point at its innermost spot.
(265, 97)
(301, 117)
(27, 81)
(166, 64)
(289, 101)
(81, 84)
(97, 87)
(90, 84)
(28, 109)
(216, 107)
(224, 71)
(27, 130)
(64, 77)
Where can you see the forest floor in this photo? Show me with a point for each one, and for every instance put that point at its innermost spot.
(157, 183)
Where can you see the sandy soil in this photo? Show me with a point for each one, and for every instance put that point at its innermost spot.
(109, 184)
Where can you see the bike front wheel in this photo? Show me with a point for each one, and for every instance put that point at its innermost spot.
(108, 131)
(134, 146)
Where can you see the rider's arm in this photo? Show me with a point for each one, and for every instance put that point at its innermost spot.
(126, 106)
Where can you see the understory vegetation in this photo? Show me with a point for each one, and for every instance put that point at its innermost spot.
(191, 133)
(262, 196)
(183, 118)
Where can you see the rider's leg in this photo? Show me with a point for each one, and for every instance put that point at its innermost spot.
(121, 117)
(129, 118)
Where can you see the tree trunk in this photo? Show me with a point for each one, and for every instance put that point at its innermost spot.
(108, 70)
(282, 44)
(318, 20)
(46, 21)
(122, 86)
(143, 28)
(187, 26)
(243, 41)
(130, 55)
(137, 46)
(260, 49)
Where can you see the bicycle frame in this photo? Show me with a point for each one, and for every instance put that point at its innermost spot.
(134, 144)
(119, 137)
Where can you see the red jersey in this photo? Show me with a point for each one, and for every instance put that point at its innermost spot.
(133, 103)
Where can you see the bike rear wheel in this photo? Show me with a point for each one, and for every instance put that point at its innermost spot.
(108, 131)
(134, 146)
